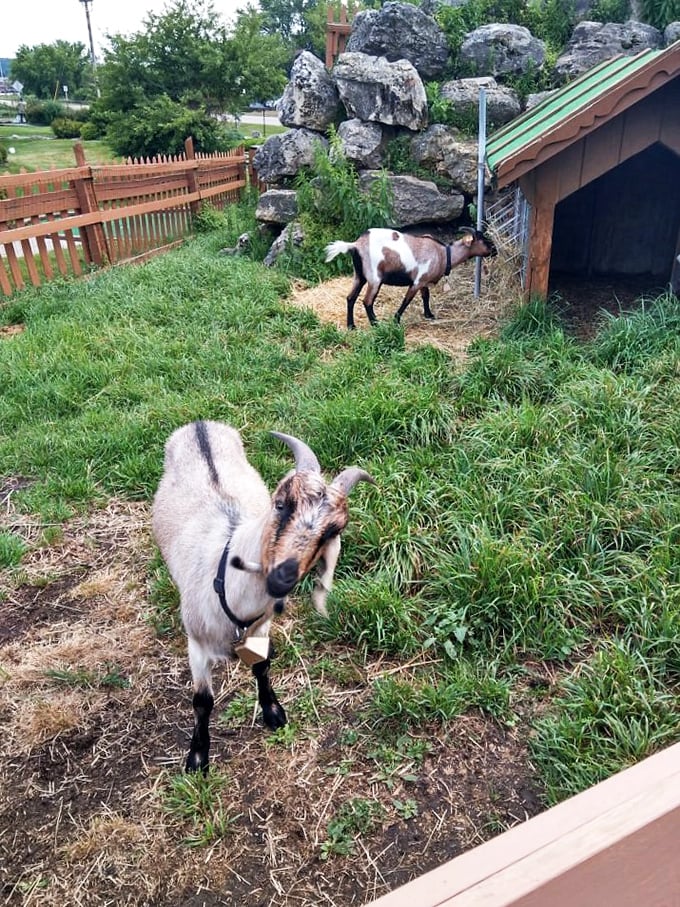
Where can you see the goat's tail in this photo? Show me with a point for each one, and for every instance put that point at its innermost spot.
(336, 248)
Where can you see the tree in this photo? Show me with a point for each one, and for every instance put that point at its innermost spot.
(301, 23)
(254, 64)
(46, 68)
(161, 126)
(187, 54)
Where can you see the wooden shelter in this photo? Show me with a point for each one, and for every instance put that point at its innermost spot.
(598, 163)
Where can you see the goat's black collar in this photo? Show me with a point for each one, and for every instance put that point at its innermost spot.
(218, 586)
(448, 260)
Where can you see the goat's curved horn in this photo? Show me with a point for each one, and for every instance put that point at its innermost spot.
(305, 458)
(348, 478)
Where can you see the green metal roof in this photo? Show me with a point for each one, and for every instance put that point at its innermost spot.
(523, 136)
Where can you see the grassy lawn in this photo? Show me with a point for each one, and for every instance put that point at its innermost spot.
(36, 148)
(517, 559)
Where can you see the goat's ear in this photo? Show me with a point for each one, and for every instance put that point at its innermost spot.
(348, 478)
(325, 568)
(467, 239)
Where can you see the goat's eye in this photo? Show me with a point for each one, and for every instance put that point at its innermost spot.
(278, 505)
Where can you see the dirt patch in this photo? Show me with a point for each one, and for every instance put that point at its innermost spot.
(585, 302)
(11, 330)
(96, 715)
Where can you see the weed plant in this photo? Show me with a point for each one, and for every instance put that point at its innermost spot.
(332, 204)
(526, 508)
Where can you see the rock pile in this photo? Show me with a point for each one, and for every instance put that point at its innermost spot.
(376, 92)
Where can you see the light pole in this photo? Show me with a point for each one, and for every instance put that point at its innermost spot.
(93, 59)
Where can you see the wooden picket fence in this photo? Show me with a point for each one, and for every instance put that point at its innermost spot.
(66, 222)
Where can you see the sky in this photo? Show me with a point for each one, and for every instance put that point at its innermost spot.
(34, 22)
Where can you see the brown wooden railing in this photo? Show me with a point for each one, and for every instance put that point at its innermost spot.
(337, 32)
(614, 845)
(65, 222)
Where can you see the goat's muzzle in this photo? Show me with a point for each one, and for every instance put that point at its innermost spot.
(282, 578)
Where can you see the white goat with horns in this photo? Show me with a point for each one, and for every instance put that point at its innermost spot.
(235, 552)
(385, 256)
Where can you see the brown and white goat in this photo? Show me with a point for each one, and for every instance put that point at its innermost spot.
(235, 552)
(385, 256)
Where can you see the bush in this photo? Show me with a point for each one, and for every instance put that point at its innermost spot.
(209, 218)
(42, 113)
(3, 154)
(66, 128)
(161, 126)
(90, 131)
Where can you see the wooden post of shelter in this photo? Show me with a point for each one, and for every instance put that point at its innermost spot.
(93, 235)
(336, 33)
(192, 176)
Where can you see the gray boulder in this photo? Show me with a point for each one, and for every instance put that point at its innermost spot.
(417, 201)
(362, 143)
(671, 33)
(373, 89)
(501, 49)
(291, 235)
(538, 97)
(401, 31)
(594, 42)
(277, 206)
(441, 150)
(502, 104)
(310, 98)
(281, 156)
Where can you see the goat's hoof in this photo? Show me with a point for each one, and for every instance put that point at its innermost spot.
(429, 316)
(274, 716)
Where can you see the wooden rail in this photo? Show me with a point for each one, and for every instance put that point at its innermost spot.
(63, 222)
(614, 844)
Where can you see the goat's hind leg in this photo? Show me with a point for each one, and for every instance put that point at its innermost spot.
(203, 702)
(369, 299)
(273, 713)
(352, 298)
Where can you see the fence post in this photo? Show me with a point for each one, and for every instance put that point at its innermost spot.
(192, 176)
(93, 234)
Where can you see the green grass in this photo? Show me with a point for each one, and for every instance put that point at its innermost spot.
(36, 148)
(194, 803)
(526, 507)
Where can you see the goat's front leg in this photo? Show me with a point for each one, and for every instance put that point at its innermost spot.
(203, 702)
(427, 311)
(407, 301)
(273, 713)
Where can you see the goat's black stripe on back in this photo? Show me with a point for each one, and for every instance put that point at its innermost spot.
(206, 450)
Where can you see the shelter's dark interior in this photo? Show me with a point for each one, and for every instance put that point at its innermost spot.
(625, 224)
